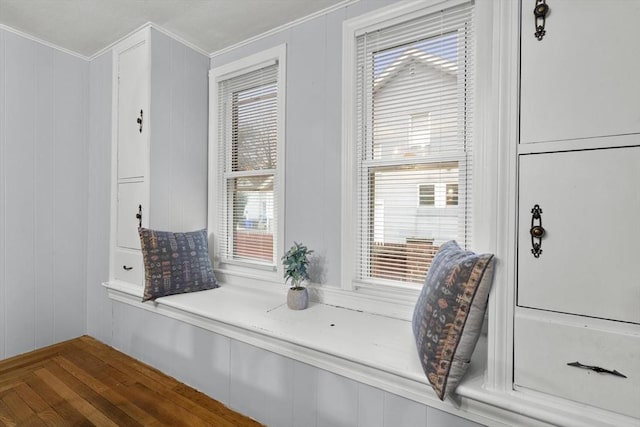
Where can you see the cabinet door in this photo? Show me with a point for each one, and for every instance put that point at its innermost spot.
(580, 80)
(590, 203)
(133, 83)
(130, 197)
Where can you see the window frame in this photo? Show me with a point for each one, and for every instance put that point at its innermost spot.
(352, 29)
(227, 268)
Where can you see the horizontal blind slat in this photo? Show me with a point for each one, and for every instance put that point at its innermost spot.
(247, 161)
(414, 94)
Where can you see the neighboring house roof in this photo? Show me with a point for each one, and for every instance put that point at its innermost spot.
(412, 56)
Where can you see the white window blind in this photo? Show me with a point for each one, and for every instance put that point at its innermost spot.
(248, 129)
(414, 92)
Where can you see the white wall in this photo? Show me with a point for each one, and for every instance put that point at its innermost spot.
(99, 203)
(178, 120)
(54, 221)
(273, 389)
(313, 131)
(43, 194)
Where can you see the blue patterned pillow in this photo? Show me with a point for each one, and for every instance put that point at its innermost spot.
(448, 316)
(175, 263)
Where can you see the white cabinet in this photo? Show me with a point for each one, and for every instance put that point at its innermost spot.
(131, 67)
(590, 202)
(578, 296)
(545, 348)
(159, 152)
(580, 80)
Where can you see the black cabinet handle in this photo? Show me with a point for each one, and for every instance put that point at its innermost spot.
(127, 268)
(597, 369)
(540, 16)
(139, 216)
(139, 121)
(536, 231)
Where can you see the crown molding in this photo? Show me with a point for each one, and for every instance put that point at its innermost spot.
(42, 42)
(156, 27)
(283, 27)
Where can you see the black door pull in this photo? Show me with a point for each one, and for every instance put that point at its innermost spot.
(597, 369)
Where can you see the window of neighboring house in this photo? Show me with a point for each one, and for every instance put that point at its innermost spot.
(248, 147)
(411, 124)
(427, 195)
(452, 194)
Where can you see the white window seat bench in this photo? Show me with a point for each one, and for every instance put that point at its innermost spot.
(376, 350)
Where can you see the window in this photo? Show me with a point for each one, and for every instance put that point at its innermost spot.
(410, 126)
(248, 98)
(427, 195)
(452, 194)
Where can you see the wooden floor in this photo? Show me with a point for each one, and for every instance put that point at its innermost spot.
(83, 382)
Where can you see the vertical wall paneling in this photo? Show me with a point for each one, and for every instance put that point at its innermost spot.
(370, 406)
(70, 202)
(44, 200)
(161, 162)
(195, 121)
(3, 203)
(99, 200)
(177, 131)
(20, 291)
(43, 134)
(178, 120)
(305, 144)
(438, 418)
(403, 412)
(261, 384)
(337, 401)
(207, 369)
(305, 394)
(332, 151)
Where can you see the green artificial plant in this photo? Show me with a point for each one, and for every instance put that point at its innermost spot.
(295, 262)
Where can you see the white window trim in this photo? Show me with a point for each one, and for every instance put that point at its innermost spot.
(238, 272)
(403, 297)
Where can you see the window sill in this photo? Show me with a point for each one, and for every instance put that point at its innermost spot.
(372, 349)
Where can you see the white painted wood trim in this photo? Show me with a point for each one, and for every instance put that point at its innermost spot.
(142, 27)
(283, 27)
(142, 36)
(43, 42)
(504, 130)
(486, 154)
(256, 327)
(233, 69)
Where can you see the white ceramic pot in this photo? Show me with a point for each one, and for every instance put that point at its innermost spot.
(297, 298)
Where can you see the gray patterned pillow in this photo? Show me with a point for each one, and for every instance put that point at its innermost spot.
(175, 263)
(448, 316)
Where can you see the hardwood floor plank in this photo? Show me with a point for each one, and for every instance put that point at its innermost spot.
(7, 417)
(117, 399)
(57, 402)
(83, 382)
(97, 400)
(84, 407)
(32, 357)
(42, 409)
(163, 385)
(24, 415)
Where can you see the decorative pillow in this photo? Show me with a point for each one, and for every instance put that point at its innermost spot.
(175, 263)
(448, 316)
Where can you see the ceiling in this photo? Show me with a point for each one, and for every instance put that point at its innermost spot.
(88, 26)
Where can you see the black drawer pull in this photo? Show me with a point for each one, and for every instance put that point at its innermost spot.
(127, 268)
(597, 369)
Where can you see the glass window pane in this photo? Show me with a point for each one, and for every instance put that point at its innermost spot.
(253, 217)
(405, 235)
(255, 128)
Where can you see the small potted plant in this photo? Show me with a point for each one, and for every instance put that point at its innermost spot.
(295, 262)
